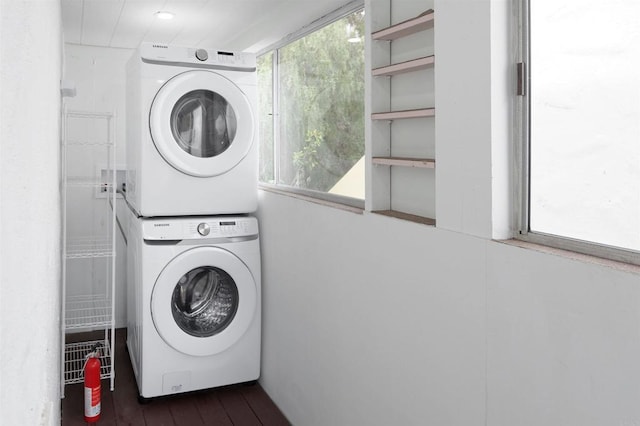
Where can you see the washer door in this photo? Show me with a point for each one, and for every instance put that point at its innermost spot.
(203, 301)
(201, 123)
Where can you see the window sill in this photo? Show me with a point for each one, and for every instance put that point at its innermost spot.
(299, 194)
(586, 258)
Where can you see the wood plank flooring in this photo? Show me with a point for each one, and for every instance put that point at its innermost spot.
(232, 405)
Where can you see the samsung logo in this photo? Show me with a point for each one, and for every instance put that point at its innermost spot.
(160, 46)
(156, 225)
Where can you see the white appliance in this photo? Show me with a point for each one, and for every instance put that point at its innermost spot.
(194, 302)
(191, 131)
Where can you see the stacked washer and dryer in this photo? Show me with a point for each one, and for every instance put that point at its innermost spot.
(193, 261)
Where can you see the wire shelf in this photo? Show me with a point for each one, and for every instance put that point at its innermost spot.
(88, 139)
(87, 143)
(88, 182)
(74, 358)
(89, 247)
(87, 311)
(89, 114)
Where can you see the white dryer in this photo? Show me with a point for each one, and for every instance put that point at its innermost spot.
(194, 303)
(191, 131)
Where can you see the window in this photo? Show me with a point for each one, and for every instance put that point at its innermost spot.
(581, 126)
(311, 105)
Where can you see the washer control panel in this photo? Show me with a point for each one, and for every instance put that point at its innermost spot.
(199, 228)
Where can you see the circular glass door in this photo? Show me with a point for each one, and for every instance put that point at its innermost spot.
(203, 301)
(201, 123)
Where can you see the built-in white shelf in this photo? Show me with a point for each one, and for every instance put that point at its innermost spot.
(75, 357)
(411, 26)
(425, 163)
(404, 67)
(391, 183)
(410, 113)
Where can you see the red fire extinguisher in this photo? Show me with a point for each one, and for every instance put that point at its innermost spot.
(92, 386)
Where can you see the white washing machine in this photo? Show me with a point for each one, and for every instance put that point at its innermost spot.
(191, 131)
(194, 302)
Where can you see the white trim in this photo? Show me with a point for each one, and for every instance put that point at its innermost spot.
(570, 254)
(323, 198)
(585, 247)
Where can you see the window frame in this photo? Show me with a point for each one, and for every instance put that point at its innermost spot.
(522, 130)
(326, 20)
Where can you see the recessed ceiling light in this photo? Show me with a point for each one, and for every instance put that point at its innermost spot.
(164, 15)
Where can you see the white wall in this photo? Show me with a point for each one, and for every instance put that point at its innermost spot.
(30, 68)
(463, 116)
(369, 320)
(372, 320)
(99, 77)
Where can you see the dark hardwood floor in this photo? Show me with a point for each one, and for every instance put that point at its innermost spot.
(232, 405)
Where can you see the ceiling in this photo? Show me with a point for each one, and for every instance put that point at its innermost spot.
(248, 25)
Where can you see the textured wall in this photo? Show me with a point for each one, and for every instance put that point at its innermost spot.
(30, 69)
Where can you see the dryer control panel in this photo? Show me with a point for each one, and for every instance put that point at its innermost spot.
(197, 57)
(199, 228)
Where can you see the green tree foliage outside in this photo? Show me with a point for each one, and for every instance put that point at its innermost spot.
(321, 78)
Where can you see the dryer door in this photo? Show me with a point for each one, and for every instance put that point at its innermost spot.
(203, 301)
(201, 123)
